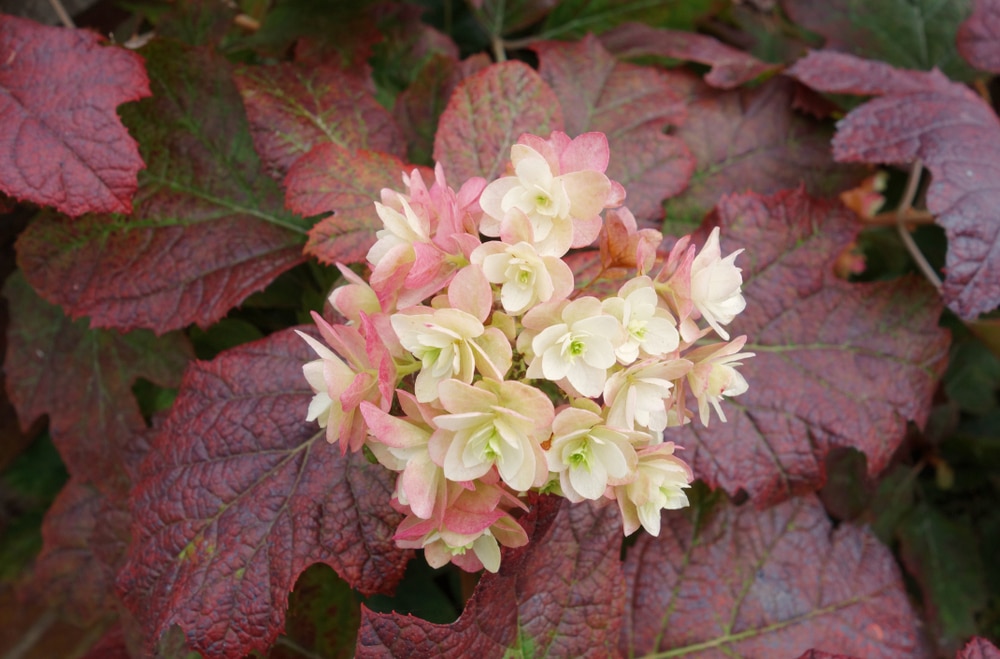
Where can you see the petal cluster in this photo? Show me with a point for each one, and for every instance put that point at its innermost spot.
(475, 364)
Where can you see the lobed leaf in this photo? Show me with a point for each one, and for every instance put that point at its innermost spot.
(729, 67)
(332, 178)
(62, 144)
(772, 583)
(292, 108)
(67, 573)
(487, 112)
(82, 379)
(561, 596)
(953, 132)
(979, 36)
(630, 104)
(913, 34)
(239, 494)
(837, 364)
(752, 140)
(208, 229)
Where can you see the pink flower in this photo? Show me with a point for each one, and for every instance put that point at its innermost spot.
(660, 480)
(714, 375)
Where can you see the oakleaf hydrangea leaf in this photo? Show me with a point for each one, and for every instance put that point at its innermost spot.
(772, 583)
(486, 114)
(837, 364)
(730, 67)
(208, 228)
(953, 132)
(560, 596)
(292, 108)
(752, 139)
(630, 104)
(333, 178)
(239, 494)
(82, 379)
(979, 36)
(62, 144)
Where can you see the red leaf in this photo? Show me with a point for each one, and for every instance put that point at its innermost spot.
(239, 494)
(632, 105)
(819, 654)
(979, 648)
(955, 134)
(419, 107)
(837, 364)
(208, 230)
(730, 67)
(62, 144)
(110, 646)
(293, 108)
(332, 178)
(772, 583)
(82, 379)
(561, 596)
(752, 140)
(486, 114)
(979, 36)
(67, 575)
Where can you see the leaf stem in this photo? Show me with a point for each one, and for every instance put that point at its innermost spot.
(891, 218)
(905, 205)
(63, 15)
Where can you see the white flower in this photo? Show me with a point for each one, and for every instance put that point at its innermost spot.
(637, 396)
(552, 203)
(401, 229)
(587, 455)
(714, 375)
(443, 342)
(648, 327)
(715, 285)
(580, 349)
(491, 424)
(659, 484)
(525, 277)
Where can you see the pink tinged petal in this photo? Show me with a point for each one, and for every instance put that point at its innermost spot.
(530, 166)
(548, 149)
(437, 555)
(562, 277)
(419, 481)
(587, 191)
(318, 348)
(457, 397)
(470, 291)
(558, 239)
(586, 151)
(649, 516)
(516, 228)
(586, 231)
(392, 431)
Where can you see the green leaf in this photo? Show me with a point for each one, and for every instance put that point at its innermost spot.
(574, 18)
(912, 34)
(940, 552)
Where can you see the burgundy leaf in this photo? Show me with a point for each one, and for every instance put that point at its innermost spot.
(292, 108)
(752, 140)
(486, 114)
(632, 105)
(110, 646)
(66, 574)
(773, 583)
(730, 67)
(239, 494)
(62, 144)
(819, 654)
(208, 229)
(418, 108)
(979, 36)
(837, 364)
(82, 379)
(979, 648)
(953, 132)
(332, 178)
(561, 596)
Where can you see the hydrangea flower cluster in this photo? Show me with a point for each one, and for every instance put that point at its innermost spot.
(475, 365)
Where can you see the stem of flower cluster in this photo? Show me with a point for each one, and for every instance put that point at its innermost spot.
(905, 205)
